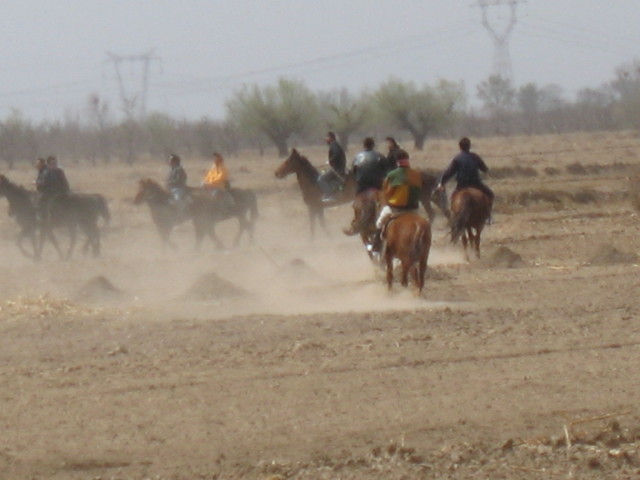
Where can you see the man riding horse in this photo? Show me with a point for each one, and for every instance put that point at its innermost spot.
(369, 167)
(51, 182)
(333, 179)
(466, 167)
(177, 184)
(401, 190)
(216, 181)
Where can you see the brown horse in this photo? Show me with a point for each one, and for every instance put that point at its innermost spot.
(72, 211)
(469, 213)
(307, 176)
(23, 208)
(202, 209)
(366, 208)
(408, 238)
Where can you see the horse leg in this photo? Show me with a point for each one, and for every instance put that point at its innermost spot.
(47, 233)
(93, 239)
(421, 273)
(406, 266)
(322, 222)
(313, 215)
(426, 203)
(242, 226)
(165, 232)
(465, 245)
(72, 240)
(477, 241)
(389, 263)
(20, 240)
(215, 238)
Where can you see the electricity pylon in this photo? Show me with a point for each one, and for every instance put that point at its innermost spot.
(500, 35)
(133, 102)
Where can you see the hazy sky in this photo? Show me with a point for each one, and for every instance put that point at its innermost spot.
(55, 52)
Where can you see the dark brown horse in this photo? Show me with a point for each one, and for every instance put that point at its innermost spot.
(307, 176)
(22, 207)
(73, 211)
(203, 209)
(469, 212)
(408, 239)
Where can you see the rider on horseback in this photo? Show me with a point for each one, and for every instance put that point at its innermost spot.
(51, 182)
(466, 167)
(216, 181)
(369, 167)
(177, 183)
(331, 180)
(401, 190)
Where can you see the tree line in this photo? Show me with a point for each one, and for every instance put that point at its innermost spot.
(288, 112)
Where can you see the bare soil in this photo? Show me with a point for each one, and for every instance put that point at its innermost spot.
(287, 358)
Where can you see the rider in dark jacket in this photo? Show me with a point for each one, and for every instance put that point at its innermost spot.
(369, 167)
(466, 167)
(331, 180)
(54, 181)
(177, 178)
(51, 182)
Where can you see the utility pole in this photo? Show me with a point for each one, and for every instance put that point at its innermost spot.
(500, 35)
(133, 101)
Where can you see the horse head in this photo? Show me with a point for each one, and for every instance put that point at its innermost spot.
(149, 190)
(6, 185)
(290, 165)
(365, 212)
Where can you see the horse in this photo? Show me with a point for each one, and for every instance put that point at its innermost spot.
(22, 207)
(469, 212)
(244, 208)
(203, 209)
(408, 239)
(307, 177)
(366, 208)
(73, 210)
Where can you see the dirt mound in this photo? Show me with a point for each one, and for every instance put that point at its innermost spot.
(297, 271)
(210, 286)
(503, 257)
(98, 289)
(609, 255)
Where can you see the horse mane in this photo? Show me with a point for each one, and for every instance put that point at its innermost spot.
(155, 186)
(307, 167)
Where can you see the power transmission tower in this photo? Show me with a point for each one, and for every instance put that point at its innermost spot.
(134, 101)
(500, 35)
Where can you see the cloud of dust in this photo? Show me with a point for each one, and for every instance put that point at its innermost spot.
(283, 272)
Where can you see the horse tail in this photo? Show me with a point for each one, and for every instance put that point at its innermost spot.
(461, 218)
(421, 237)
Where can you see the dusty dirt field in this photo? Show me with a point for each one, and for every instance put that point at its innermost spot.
(288, 359)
